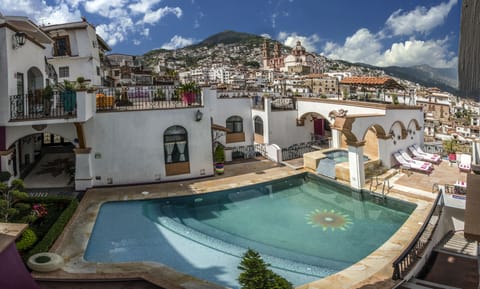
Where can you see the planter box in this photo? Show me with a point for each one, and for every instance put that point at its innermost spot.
(52, 262)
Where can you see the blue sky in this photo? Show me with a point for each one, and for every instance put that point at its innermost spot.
(378, 32)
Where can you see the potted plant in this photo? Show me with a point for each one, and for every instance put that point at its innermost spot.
(219, 159)
(188, 92)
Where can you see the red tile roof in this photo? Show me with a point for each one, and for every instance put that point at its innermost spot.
(371, 81)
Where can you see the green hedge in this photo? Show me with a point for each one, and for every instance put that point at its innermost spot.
(55, 231)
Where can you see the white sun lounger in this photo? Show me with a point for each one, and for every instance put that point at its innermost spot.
(409, 159)
(424, 156)
(412, 165)
(433, 157)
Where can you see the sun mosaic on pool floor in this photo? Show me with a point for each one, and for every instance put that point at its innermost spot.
(329, 219)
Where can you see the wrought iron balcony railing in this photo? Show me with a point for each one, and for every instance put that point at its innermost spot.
(145, 98)
(35, 106)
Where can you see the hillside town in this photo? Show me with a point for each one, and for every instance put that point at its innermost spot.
(79, 119)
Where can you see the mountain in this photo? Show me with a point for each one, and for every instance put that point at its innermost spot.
(229, 37)
(444, 78)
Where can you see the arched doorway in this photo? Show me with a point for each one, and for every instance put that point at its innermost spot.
(258, 129)
(35, 80)
(175, 142)
(43, 160)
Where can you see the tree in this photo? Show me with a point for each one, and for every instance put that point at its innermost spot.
(256, 274)
(10, 201)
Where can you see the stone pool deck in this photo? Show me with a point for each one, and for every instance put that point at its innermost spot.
(374, 271)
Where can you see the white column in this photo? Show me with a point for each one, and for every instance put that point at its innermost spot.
(357, 170)
(336, 138)
(83, 169)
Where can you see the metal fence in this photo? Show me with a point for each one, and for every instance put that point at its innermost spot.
(248, 151)
(283, 103)
(145, 97)
(40, 105)
(405, 262)
(297, 150)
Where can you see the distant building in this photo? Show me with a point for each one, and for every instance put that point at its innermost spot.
(299, 61)
(77, 51)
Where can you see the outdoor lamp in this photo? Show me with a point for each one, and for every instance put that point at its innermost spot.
(198, 115)
(20, 38)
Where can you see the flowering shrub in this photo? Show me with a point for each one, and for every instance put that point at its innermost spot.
(40, 210)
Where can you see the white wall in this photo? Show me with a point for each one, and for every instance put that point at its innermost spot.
(129, 145)
(283, 129)
(13, 61)
(223, 108)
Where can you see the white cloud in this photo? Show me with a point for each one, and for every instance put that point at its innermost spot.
(419, 20)
(136, 42)
(178, 42)
(153, 17)
(363, 46)
(143, 6)
(105, 7)
(290, 39)
(273, 19)
(40, 12)
(116, 31)
(266, 35)
(119, 19)
(412, 52)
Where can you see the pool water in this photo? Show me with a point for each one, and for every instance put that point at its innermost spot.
(306, 227)
(341, 156)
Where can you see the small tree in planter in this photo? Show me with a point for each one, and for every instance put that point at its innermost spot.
(10, 201)
(256, 274)
(219, 159)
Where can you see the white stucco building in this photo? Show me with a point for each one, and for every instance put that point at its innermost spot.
(77, 51)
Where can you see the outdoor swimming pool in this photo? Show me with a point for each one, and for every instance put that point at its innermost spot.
(340, 156)
(306, 227)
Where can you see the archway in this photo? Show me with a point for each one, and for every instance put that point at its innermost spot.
(318, 126)
(43, 160)
(371, 138)
(34, 80)
(258, 130)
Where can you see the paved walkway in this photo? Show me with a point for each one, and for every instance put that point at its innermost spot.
(51, 171)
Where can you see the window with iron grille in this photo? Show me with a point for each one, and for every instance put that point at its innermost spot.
(175, 142)
(235, 124)
(62, 46)
(63, 71)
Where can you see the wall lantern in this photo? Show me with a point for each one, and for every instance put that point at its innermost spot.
(19, 38)
(198, 115)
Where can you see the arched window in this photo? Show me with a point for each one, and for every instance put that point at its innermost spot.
(175, 142)
(235, 124)
(258, 125)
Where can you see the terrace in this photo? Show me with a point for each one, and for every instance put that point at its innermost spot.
(79, 105)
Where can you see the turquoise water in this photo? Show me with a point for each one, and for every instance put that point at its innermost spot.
(304, 226)
(340, 156)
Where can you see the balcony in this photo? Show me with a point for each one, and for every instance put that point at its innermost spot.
(59, 107)
(145, 98)
(35, 106)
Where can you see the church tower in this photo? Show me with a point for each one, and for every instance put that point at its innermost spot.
(265, 53)
(276, 50)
